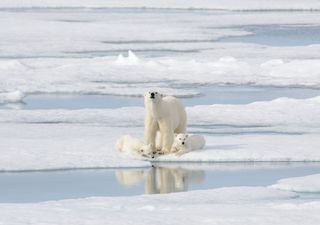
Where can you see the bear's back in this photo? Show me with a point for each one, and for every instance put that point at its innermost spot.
(171, 100)
(196, 141)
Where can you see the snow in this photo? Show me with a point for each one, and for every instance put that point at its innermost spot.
(279, 130)
(11, 97)
(199, 4)
(57, 146)
(132, 76)
(58, 51)
(309, 183)
(253, 148)
(78, 32)
(235, 205)
(69, 146)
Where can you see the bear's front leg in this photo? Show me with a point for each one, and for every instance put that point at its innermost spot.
(150, 131)
(167, 136)
(181, 152)
(174, 149)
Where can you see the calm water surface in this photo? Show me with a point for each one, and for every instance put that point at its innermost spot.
(210, 95)
(162, 178)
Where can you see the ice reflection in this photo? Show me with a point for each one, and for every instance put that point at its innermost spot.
(158, 180)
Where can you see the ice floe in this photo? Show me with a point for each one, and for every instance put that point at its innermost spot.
(309, 183)
(67, 146)
(244, 205)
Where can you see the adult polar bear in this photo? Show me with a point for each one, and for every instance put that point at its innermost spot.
(165, 114)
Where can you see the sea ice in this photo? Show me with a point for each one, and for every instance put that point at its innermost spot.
(194, 4)
(235, 205)
(309, 183)
(132, 76)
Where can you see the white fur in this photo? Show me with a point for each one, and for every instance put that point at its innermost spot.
(165, 114)
(132, 145)
(184, 143)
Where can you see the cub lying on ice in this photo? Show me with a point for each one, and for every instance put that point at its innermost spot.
(184, 143)
(130, 144)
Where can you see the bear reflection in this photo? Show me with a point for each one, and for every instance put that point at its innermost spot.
(161, 179)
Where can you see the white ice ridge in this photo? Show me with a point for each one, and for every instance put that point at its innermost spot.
(11, 97)
(224, 206)
(309, 183)
(175, 4)
(279, 113)
(133, 76)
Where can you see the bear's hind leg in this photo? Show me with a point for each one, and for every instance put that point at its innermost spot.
(181, 129)
(158, 141)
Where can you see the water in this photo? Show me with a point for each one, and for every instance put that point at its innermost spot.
(210, 95)
(276, 35)
(162, 178)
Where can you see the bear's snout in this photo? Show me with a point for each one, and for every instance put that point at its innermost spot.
(183, 143)
(152, 95)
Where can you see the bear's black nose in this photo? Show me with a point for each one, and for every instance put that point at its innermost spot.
(183, 143)
(152, 95)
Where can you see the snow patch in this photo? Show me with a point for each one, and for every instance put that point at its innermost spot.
(11, 97)
(132, 59)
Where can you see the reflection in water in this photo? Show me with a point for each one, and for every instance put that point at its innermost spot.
(161, 179)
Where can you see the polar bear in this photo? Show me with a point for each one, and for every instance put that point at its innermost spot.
(184, 143)
(165, 114)
(132, 145)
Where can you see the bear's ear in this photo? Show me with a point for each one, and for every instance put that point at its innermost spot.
(162, 95)
(187, 135)
(175, 135)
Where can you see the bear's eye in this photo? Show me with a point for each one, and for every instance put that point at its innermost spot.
(141, 150)
(179, 138)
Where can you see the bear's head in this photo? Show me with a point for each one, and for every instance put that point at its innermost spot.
(180, 139)
(152, 96)
(146, 151)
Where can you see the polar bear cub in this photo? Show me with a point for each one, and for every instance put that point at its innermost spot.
(184, 143)
(132, 145)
